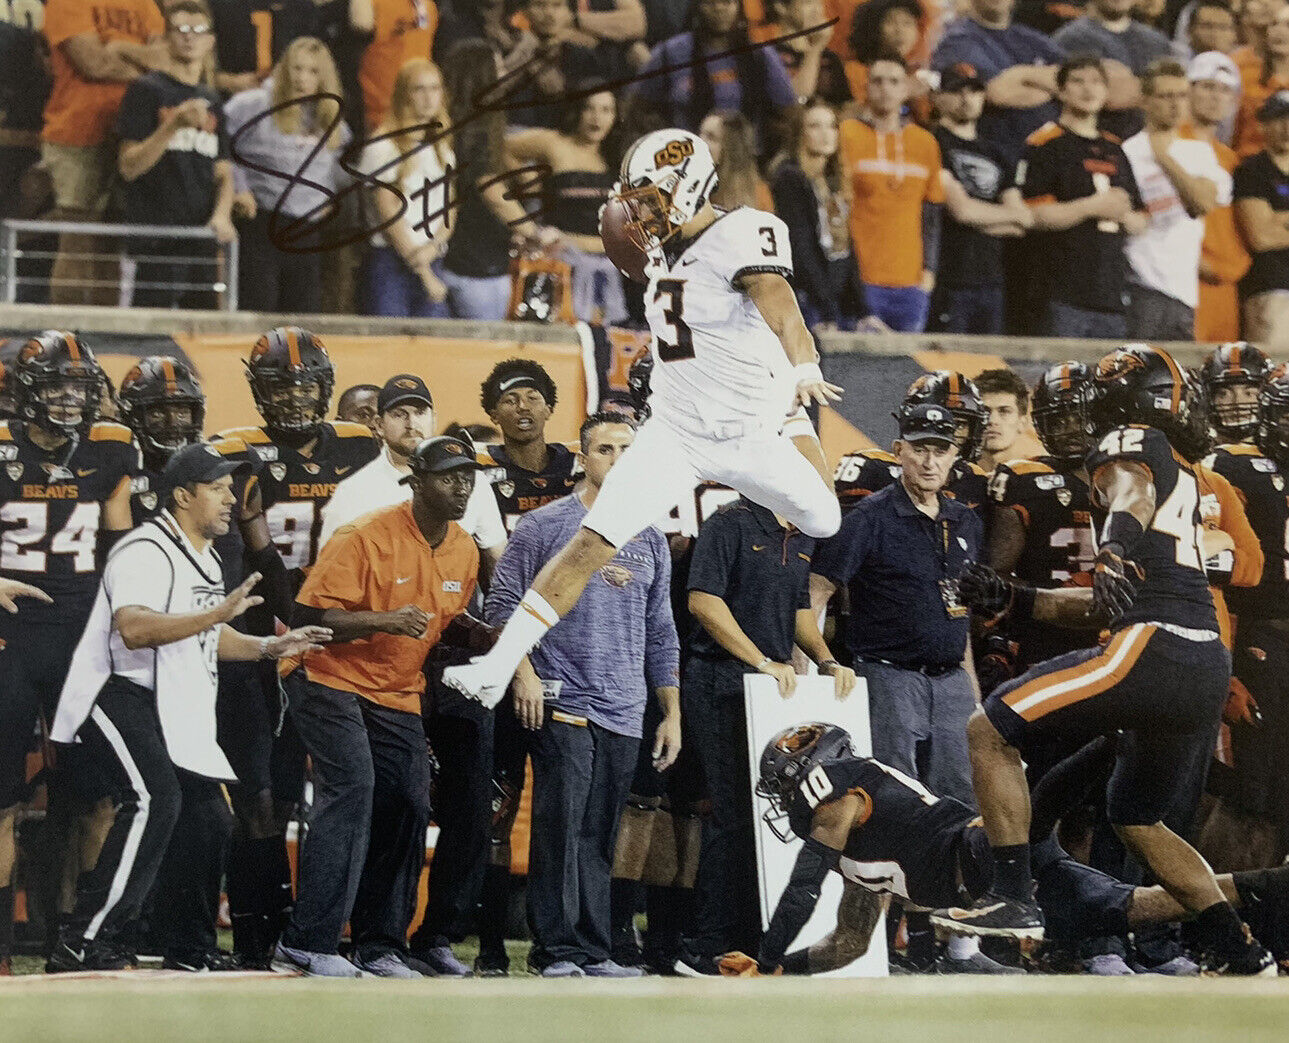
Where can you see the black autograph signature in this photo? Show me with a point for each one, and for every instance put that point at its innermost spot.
(523, 184)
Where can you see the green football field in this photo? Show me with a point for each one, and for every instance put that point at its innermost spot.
(147, 1007)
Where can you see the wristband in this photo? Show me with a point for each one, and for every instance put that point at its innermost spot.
(807, 371)
(264, 648)
(1122, 528)
(827, 662)
(761, 665)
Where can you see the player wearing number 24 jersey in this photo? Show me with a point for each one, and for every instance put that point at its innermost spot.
(734, 368)
(1160, 680)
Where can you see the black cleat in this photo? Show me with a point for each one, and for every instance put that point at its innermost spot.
(205, 962)
(690, 965)
(993, 916)
(88, 956)
(1250, 960)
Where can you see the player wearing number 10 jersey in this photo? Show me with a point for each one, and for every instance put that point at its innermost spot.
(733, 358)
(64, 498)
(1160, 680)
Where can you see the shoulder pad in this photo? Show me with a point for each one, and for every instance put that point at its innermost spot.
(976, 469)
(879, 455)
(1025, 466)
(6, 435)
(1239, 449)
(347, 429)
(229, 446)
(105, 431)
(249, 435)
(1047, 132)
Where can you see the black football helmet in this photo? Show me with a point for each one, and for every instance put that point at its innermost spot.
(1272, 435)
(1141, 384)
(8, 356)
(164, 406)
(292, 378)
(788, 758)
(1062, 411)
(57, 382)
(961, 397)
(638, 378)
(1235, 364)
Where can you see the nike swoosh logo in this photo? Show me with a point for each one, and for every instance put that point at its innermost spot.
(344, 470)
(405, 579)
(761, 547)
(971, 914)
(85, 473)
(688, 260)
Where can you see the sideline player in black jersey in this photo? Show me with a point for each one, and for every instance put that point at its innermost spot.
(887, 834)
(1040, 528)
(1257, 788)
(1161, 679)
(304, 458)
(866, 471)
(64, 500)
(526, 472)
(1233, 375)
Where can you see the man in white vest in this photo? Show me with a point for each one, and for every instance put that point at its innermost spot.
(140, 694)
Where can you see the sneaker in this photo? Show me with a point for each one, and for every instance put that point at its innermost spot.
(385, 964)
(1251, 961)
(442, 961)
(611, 969)
(992, 915)
(203, 962)
(490, 967)
(688, 965)
(976, 963)
(562, 969)
(314, 964)
(479, 680)
(1106, 965)
(1177, 967)
(88, 956)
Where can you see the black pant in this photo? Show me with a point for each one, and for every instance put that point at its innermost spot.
(371, 778)
(175, 273)
(271, 280)
(188, 885)
(33, 665)
(123, 740)
(581, 776)
(462, 742)
(727, 915)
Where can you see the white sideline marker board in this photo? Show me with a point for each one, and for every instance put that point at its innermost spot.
(767, 715)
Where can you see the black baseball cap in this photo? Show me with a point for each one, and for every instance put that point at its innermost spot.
(197, 464)
(403, 388)
(1275, 107)
(928, 423)
(441, 453)
(960, 76)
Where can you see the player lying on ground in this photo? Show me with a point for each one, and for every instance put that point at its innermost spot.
(886, 834)
(734, 360)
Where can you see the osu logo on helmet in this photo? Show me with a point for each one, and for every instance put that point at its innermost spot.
(673, 153)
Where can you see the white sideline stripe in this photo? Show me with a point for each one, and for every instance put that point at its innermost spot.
(131, 849)
(1135, 632)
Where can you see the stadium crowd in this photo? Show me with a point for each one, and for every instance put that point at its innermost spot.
(974, 169)
(1115, 170)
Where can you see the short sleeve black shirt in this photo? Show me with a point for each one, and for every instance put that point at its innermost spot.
(969, 257)
(1259, 178)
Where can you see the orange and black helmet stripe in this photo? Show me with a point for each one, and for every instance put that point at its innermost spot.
(168, 371)
(1178, 383)
(73, 348)
(293, 347)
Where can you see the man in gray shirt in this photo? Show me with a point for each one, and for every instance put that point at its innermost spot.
(583, 691)
(1109, 31)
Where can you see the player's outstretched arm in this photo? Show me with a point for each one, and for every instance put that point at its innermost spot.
(11, 588)
(857, 916)
(774, 299)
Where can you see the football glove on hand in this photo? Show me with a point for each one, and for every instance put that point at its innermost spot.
(981, 589)
(1241, 707)
(741, 965)
(1113, 591)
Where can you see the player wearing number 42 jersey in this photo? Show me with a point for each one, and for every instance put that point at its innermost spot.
(733, 359)
(1160, 680)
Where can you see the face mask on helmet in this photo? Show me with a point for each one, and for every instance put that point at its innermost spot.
(787, 760)
(62, 403)
(1233, 409)
(666, 178)
(1272, 435)
(957, 394)
(294, 407)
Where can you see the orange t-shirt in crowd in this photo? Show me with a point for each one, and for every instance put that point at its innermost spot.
(381, 563)
(1221, 508)
(891, 176)
(79, 111)
(404, 30)
(1247, 139)
(1223, 253)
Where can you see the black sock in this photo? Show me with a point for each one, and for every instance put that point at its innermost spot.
(796, 962)
(624, 902)
(259, 893)
(1012, 876)
(667, 909)
(1220, 927)
(494, 904)
(920, 947)
(6, 922)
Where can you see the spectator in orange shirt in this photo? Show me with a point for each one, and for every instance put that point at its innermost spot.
(1264, 69)
(894, 171)
(1215, 83)
(389, 584)
(97, 48)
(399, 30)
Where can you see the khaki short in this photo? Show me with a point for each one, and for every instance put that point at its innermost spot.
(81, 175)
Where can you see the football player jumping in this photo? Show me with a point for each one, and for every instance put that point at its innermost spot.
(1161, 678)
(734, 359)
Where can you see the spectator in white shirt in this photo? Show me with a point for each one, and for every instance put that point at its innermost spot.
(405, 418)
(1180, 180)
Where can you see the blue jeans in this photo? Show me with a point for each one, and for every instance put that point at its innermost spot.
(967, 309)
(471, 297)
(395, 290)
(903, 308)
(1066, 320)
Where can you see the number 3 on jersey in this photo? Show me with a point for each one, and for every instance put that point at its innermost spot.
(674, 313)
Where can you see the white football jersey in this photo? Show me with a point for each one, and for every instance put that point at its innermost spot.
(714, 355)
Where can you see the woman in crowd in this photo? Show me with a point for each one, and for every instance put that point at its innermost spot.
(810, 197)
(268, 151)
(733, 145)
(583, 157)
(412, 153)
(1272, 74)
